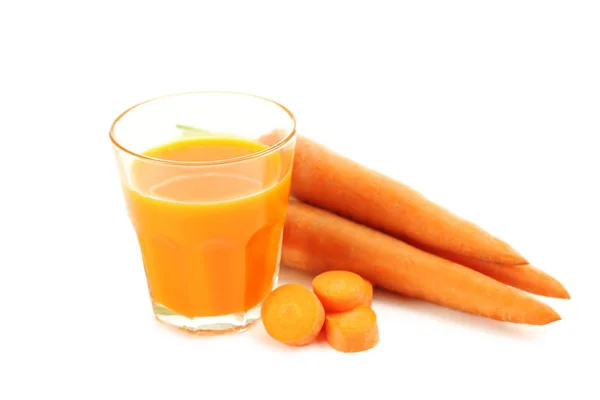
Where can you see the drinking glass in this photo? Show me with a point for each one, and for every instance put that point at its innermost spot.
(207, 198)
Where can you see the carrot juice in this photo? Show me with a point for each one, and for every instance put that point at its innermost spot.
(209, 238)
(207, 200)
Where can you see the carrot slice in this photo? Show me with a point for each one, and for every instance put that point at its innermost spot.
(353, 330)
(293, 315)
(339, 290)
(316, 241)
(367, 298)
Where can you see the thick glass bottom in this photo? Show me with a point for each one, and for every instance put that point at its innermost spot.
(236, 322)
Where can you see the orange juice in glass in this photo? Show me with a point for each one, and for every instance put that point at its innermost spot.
(207, 201)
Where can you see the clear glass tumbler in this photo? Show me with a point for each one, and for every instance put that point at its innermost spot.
(208, 199)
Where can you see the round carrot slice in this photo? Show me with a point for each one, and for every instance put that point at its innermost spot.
(293, 315)
(339, 290)
(352, 331)
(367, 299)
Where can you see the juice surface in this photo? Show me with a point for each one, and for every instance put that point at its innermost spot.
(210, 236)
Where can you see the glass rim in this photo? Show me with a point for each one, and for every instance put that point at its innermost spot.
(266, 151)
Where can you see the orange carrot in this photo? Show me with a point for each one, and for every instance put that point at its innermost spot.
(339, 290)
(352, 331)
(316, 240)
(368, 294)
(525, 277)
(330, 181)
(293, 315)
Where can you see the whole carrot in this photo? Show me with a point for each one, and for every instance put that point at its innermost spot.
(330, 181)
(316, 240)
(525, 276)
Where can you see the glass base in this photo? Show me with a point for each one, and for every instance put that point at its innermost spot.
(237, 322)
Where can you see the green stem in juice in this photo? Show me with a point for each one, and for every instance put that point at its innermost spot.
(190, 130)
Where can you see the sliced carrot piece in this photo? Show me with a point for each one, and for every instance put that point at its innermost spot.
(352, 331)
(293, 315)
(339, 290)
(367, 298)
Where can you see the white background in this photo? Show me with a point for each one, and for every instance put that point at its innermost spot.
(489, 108)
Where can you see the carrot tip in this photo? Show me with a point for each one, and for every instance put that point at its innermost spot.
(555, 319)
(552, 287)
(551, 316)
(561, 292)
